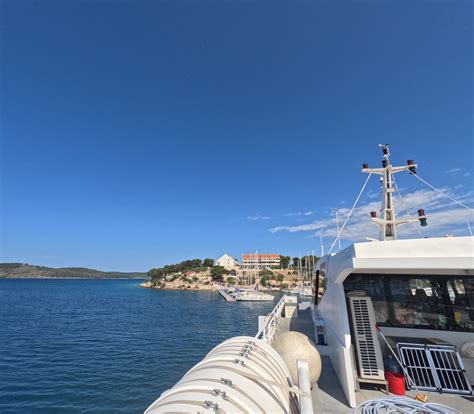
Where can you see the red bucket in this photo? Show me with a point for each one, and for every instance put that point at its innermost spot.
(396, 383)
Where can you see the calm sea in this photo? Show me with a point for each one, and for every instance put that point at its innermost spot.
(105, 346)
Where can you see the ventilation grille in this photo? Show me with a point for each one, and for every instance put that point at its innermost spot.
(434, 368)
(366, 341)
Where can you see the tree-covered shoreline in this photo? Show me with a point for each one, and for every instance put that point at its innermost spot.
(193, 265)
(27, 271)
(202, 274)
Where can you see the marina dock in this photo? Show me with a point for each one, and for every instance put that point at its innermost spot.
(226, 296)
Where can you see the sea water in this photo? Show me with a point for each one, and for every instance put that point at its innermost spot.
(105, 346)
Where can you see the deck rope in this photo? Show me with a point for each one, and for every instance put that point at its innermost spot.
(401, 405)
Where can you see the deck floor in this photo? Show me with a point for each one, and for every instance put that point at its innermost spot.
(327, 394)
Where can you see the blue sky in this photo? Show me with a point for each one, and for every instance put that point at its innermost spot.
(136, 134)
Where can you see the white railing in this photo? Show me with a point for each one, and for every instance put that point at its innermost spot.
(304, 384)
(271, 321)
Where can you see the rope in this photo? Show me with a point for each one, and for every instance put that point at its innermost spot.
(350, 212)
(405, 207)
(440, 192)
(401, 405)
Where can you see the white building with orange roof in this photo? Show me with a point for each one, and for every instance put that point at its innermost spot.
(260, 261)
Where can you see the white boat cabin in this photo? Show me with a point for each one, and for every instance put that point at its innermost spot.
(419, 289)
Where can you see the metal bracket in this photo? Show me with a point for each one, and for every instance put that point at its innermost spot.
(227, 382)
(211, 404)
(220, 393)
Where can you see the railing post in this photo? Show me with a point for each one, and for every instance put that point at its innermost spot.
(268, 328)
(304, 385)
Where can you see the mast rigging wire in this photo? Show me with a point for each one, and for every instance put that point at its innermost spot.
(350, 213)
(405, 207)
(440, 192)
(396, 186)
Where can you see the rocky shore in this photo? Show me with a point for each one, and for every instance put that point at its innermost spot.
(178, 285)
(203, 281)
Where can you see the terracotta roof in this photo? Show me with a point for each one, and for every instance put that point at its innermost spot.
(261, 256)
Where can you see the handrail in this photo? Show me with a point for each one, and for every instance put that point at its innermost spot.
(306, 402)
(271, 321)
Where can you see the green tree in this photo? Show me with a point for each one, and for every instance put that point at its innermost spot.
(208, 262)
(231, 280)
(284, 261)
(217, 273)
(156, 274)
(163, 272)
(264, 280)
(279, 278)
(296, 261)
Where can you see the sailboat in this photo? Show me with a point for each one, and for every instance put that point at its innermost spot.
(303, 287)
(254, 294)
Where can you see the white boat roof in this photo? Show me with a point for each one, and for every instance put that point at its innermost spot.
(434, 255)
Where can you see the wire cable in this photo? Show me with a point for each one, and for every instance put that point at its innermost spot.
(442, 193)
(350, 212)
(405, 207)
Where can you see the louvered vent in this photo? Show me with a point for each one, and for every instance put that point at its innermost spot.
(435, 368)
(366, 341)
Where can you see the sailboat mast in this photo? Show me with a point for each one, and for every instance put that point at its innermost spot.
(337, 224)
(300, 271)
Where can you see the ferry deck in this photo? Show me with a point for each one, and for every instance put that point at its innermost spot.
(327, 394)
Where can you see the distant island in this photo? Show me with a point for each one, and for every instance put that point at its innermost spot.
(26, 271)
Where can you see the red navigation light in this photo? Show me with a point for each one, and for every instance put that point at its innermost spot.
(411, 166)
(421, 212)
(365, 166)
(373, 214)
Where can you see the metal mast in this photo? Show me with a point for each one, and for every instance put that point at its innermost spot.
(387, 222)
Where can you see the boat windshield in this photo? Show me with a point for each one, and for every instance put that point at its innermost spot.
(418, 301)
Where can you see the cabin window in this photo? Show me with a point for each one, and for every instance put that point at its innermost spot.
(320, 285)
(418, 301)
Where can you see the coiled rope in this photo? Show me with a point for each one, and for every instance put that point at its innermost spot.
(402, 405)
